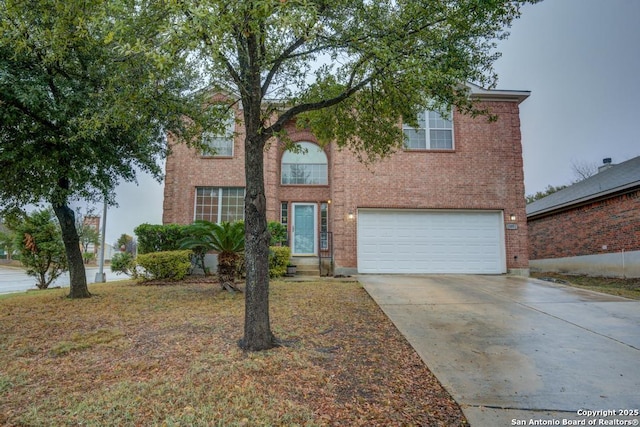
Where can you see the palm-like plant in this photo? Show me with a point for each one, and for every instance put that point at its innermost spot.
(226, 238)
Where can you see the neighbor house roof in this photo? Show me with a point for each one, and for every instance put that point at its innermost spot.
(617, 179)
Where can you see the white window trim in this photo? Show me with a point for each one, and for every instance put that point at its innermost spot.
(324, 164)
(228, 136)
(220, 191)
(427, 133)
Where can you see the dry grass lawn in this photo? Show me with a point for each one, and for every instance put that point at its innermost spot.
(628, 288)
(138, 355)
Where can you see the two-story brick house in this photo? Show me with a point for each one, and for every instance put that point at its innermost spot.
(451, 202)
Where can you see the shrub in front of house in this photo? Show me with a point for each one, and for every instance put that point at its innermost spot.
(279, 257)
(123, 262)
(278, 233)
(168, 265)
(160, 238)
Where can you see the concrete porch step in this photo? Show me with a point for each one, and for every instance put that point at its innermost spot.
(306, 266)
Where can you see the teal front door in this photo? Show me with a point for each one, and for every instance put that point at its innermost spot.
(304, 229)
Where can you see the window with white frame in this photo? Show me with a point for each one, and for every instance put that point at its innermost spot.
(434, 132)
(305, 166)
(220, 144)
(218, 204)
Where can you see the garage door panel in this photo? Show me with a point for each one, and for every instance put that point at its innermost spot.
(395, 241)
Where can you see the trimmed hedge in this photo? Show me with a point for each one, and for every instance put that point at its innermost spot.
(279, 257)
(160, 238)
(168, 265)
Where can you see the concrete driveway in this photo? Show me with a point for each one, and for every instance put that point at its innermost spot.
(512, 349)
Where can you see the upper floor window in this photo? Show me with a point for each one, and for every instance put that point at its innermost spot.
(306, 166)
(434, 132)
(220, 145)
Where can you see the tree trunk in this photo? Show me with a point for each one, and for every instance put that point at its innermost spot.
(78, 277)
(227, 271)
(257, 328)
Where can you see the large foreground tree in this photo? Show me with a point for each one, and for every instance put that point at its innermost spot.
(348, 69)
(87, 89)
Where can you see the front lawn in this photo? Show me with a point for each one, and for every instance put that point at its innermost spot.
(138, 355)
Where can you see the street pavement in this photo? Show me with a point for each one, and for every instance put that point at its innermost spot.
(14, 279)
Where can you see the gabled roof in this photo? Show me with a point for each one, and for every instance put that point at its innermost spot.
(614, 180)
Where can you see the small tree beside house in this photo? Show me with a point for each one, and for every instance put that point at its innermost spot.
(38, 238)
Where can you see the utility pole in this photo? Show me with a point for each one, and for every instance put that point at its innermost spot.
(100, 275)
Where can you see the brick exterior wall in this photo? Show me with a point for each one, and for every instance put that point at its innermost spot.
(484, 171)
(186, 169)
(607, 226)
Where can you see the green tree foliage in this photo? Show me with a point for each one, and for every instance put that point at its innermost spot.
(38, 238)
(7, 238)
(87, 91)
(350, 70)
(87, 235)
(126, 243)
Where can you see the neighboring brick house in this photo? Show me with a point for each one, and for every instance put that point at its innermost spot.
(451, 203)
(591, 227)
(92, 221)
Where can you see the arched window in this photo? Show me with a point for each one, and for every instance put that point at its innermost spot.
(306, 166)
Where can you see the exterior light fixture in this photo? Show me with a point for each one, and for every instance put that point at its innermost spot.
(512, 217)
(350, 215)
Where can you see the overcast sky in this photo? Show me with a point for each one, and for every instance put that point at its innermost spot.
(581, 61)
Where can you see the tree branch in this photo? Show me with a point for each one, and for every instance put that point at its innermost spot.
(278, 62)
(311, 106)
(27, 112)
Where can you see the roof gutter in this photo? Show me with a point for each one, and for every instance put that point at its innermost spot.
(497, 95)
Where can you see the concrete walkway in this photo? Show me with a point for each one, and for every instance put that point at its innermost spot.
(513, 350)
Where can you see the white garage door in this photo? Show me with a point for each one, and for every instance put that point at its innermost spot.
(420, 241)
